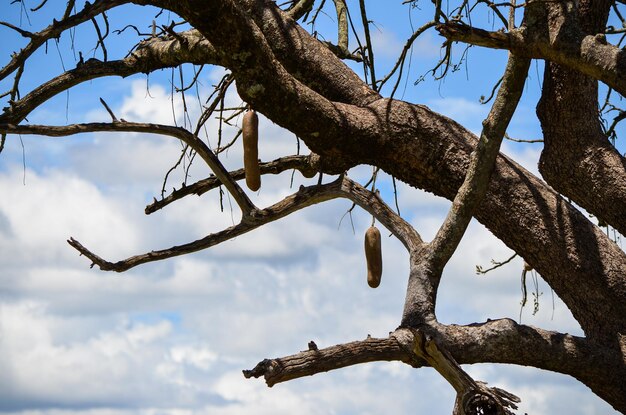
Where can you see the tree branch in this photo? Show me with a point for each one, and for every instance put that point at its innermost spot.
(55, 30)
(314, 361)
(306, 196)
(194, 142)
(504, 341)
(252, 218)
(589, 54)
(473, 397)
(435, 155)
(482, 162)
(409, 346)
(496, 341)
(151, 54)
(575, 142)
(307, 165)
(301, 8)
(342, 25)
(308, 59)
(428, 264)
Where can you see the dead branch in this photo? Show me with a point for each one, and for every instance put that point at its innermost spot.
(311, 362)
(410, 346)
(252, 217)
(304, 197)
(472, 397)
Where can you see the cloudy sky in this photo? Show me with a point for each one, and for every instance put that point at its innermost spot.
(172, 337)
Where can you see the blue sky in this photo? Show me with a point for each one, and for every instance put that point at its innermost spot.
(172, 337)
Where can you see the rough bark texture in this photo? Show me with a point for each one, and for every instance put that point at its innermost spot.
(298, 82)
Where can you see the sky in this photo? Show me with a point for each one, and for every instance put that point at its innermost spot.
(173, 337)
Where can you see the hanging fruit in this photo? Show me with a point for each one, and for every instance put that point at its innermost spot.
(373, 256)
(250, 132)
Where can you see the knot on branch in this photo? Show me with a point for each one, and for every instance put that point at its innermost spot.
(264, 368)
(485, 401)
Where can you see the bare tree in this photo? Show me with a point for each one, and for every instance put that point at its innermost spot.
(302, 84)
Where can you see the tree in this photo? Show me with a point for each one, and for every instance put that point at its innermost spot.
(303, 85)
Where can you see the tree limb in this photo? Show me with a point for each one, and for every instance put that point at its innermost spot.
(306, 196)
(504, 341)
(151, 54)
(428, 264)
(482, 162)
(311, 362)
(194, 142)
(55, 30)
(307, 165)
(589, 54)
(434, 153)
(473, 397)
(252, 218)
(496, 341)
(301, 8)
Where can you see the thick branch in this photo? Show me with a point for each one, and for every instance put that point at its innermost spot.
(577, 158)
(429, 151)
(504, 341)
(308, 59)
(497, 341)
(316, 361)
(409, 346)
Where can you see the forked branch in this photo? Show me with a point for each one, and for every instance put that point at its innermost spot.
(343, 187)
(304, 197)
(252, 217)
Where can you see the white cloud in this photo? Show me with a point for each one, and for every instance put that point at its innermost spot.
(49, 209)
(104, 367)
